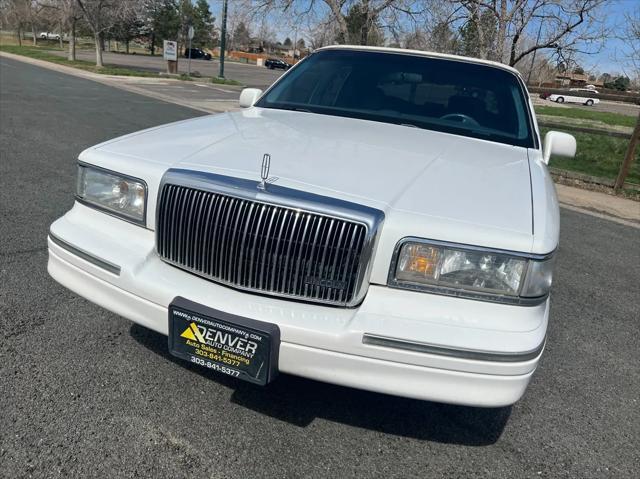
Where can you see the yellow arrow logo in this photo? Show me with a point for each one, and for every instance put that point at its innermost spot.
(193, 333)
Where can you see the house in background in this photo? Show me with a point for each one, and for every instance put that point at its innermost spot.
(576, 80)
(569, 79)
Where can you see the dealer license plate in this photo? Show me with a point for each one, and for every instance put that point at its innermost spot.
(239, 347)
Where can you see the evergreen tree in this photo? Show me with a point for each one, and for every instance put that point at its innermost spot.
(160, 21)
(478, 35)
(241, 36)
(203, 24)
(362, 26)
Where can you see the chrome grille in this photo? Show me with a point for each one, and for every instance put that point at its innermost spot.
(269, 248)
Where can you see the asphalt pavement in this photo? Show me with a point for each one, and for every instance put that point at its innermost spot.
(85, 393)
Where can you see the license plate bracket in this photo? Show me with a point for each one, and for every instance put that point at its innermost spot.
(240, 347)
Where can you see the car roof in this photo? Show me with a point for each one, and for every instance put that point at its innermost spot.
(404, 51)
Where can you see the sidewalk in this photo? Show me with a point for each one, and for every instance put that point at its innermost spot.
(611, 207)
(210, 98)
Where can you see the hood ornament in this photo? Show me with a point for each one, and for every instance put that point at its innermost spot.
(264, 172)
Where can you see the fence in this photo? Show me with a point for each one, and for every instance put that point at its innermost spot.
(625, 165)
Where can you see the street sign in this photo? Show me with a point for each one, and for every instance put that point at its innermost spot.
(170, 50)
(191, 32)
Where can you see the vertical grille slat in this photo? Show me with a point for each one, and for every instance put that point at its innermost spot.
(260, 247)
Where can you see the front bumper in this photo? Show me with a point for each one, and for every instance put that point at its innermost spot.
(318, 342)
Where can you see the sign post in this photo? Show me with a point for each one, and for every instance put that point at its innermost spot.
(171, 55)
(190, 35)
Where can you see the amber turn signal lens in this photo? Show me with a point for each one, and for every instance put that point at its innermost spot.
(419, 260)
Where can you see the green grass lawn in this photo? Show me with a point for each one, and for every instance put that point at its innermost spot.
(225, 81)
(615, 119)
(44, 53)
(598, 155)
(41, 53)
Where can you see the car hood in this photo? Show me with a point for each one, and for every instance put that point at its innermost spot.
(433, 176)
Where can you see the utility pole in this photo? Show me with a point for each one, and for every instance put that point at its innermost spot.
(223, 37)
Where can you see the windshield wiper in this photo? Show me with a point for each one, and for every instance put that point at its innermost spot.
(293, 108)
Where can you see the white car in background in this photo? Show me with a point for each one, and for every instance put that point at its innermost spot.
(378, 218)
(49, 36)
(582, 96)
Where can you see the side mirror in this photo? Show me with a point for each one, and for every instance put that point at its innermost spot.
(560, 144)
(249, 96)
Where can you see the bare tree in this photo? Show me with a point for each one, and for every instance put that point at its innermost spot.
(23, 15)
(101, 15)
(371, 14)
(320, 34)
(33, 11)
(565, 25)
(66, 14)
(629, 54)
(16, 15)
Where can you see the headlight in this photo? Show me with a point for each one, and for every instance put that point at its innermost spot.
(112, 192)
(471, 272)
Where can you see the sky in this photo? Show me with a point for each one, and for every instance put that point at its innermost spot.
(608, 59)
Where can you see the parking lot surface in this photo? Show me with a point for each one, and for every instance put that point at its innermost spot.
(248, 75)
(85, 393)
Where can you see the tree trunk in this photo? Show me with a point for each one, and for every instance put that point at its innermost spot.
(72, 42)
(364, 32)
(33, 32)
(126, 46)
(502, 32)
(20, 36)
(514, 45)
(98, 42)
(152, 47)
(60, 39)
(482, 43)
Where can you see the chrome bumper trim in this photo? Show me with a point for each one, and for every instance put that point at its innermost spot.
(394, 343)
(100, 263)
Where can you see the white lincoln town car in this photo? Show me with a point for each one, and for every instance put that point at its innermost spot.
(378, 218)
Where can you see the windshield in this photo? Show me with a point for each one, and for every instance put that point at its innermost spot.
(431, 93)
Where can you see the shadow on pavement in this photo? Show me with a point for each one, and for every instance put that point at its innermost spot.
(299, 401)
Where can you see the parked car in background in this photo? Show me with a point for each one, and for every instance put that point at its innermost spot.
(197, 53)
(378, 218)
(273, 63)
(583, 97)
(49, 36)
